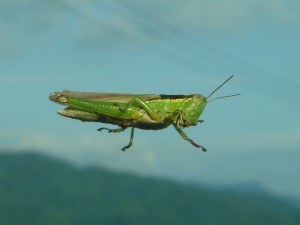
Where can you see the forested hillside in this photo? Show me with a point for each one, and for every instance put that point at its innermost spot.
(37, 190)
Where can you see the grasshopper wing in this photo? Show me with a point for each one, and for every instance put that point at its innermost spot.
(104, 97)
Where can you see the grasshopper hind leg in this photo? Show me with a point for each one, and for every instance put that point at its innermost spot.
(185, 137)
(120, 129)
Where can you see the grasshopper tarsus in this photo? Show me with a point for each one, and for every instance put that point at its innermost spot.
(198, 121)
(196, 145)
(117, 130)
(126, 147)
(103, 128)
(130, 141)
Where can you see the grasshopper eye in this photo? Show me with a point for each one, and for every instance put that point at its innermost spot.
(195, 98)
(54, 96)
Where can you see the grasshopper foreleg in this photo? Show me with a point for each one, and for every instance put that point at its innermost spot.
(120, 129)
(198, 121)
(130, 141)
(185, 137)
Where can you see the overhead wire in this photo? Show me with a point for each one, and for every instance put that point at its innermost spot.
(207, 54)
(169, 41)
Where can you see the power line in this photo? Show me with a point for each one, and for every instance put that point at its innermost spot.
(179, 46)
(209, 55)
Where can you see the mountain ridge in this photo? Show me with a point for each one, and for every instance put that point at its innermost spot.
(35, 189)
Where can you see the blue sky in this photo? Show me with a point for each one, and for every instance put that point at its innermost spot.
(170, 47)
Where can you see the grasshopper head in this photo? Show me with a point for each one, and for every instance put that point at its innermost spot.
(194, 107)
(58, 97)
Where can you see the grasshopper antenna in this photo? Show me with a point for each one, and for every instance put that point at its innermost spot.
(227, 96)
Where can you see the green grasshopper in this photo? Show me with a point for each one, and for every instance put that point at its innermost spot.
(143, 111)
